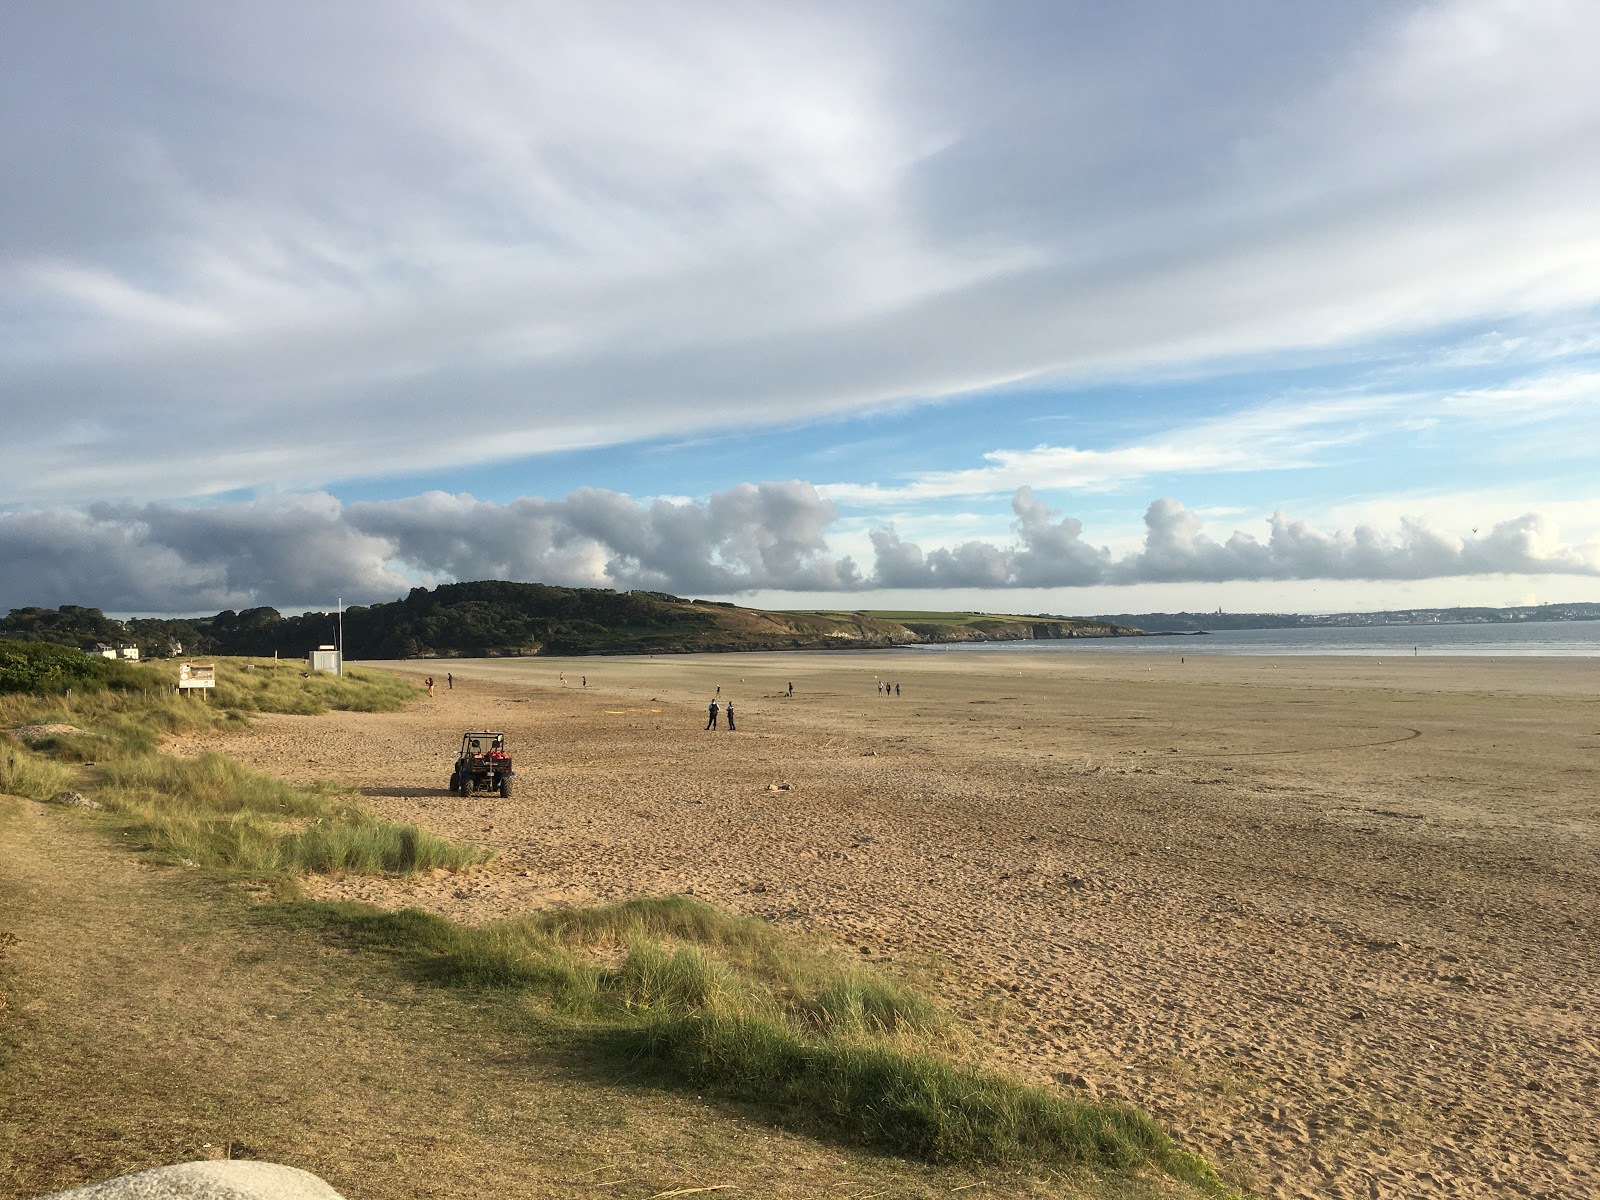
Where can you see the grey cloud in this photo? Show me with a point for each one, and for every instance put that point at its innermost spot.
(305, 550)
(1052, 553)
(1175, 550)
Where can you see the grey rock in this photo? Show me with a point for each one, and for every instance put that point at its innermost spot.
(74, 800)
(228, 1180)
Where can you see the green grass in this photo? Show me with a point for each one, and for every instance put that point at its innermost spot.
(213, 811)
(24, 772)
(210, 810)
(285, 686)
(689, 996)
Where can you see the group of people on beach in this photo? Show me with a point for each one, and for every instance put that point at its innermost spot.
(885, 688)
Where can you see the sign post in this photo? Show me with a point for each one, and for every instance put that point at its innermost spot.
(197, 675)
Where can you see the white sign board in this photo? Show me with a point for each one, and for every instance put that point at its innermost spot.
(197, 675)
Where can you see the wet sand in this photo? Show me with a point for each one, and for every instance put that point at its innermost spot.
(1332, 920)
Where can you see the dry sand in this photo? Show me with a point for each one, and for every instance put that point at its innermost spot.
(1332, 920)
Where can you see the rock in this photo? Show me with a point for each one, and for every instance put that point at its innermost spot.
(1082, 1082)
(228, 1180)
(74, 800)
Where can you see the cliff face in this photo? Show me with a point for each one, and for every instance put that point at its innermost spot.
(1016, 630)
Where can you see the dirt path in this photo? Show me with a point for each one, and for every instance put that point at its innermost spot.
(1334, 922)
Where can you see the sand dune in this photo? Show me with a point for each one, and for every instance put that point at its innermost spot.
(1332, 920)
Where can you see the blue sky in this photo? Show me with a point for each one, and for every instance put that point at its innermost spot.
(1027, 307)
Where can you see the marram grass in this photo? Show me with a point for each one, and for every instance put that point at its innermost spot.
(28, 773)
(213, 811)
(738, 1009)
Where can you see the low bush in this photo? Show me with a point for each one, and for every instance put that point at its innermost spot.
(46, 669)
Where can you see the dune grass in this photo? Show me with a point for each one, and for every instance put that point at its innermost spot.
(25, 772)
(210, 810)
(688, 995)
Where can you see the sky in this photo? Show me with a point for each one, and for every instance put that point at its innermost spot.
(1016, 306)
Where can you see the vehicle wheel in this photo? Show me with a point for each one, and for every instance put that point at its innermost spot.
(455, 781)
(505, 789)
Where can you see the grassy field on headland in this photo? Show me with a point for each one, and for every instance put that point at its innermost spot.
(128, 981)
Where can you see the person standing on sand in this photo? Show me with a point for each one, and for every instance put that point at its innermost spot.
(729, 707)
(712, 710)
(897, 691)
(449, 682)
(585, 681)
(791, 689)
(429, 682)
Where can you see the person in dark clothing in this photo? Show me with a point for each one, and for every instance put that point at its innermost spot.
(449, 681)
(791, 687)
(897, 691)
(730, 715)
(712, 710)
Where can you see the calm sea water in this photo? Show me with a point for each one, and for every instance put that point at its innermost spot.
(1579, 639)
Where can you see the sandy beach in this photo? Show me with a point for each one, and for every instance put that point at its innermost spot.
(1332, 921)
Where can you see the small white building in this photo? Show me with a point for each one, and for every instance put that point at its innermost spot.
(327, 658)
(119, 652)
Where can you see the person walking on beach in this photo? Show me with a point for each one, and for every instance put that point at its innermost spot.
(729, 707)
(897, 691)
(429, 682)
(585, 681)
(449, 682)
(791, 689)
(712, 710)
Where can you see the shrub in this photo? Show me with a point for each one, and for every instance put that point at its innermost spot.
(44, 668)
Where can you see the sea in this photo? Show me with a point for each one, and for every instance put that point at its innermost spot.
(1556, 639)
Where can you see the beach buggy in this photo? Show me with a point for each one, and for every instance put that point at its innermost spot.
(483, 765)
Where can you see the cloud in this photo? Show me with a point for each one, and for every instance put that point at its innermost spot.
(300, 551)
(309, 244)
(306, 550)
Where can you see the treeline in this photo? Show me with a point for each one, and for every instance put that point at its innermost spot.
(490, 617)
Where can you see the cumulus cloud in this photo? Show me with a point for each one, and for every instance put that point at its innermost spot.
(303, 551)
(300, 551)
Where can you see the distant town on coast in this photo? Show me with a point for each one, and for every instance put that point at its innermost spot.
(1197, 622)
(499, 618)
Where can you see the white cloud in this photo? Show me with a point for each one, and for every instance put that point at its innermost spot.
(310, 244)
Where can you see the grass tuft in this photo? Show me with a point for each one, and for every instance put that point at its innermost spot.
(738, 1009)
(28, 773)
